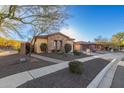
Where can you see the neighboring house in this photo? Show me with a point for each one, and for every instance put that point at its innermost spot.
(83, 46)
(54, 41)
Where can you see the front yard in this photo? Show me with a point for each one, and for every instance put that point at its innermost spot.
(65, 79)
(64, 57)
(11, 64)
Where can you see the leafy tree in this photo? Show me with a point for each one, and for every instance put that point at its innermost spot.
(9, 43)
(42, 18)
(118, 39)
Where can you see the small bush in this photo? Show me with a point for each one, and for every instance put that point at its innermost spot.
(58, 50)
(43, 47)
(75, 52)
(76, 67)
(61, 52)
(68, 48)
(53, 51)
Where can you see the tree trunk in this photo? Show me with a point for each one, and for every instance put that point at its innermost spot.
(32, 45)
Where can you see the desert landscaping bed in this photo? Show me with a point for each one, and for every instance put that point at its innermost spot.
(65, 79)
(66, 57)
(11, 64)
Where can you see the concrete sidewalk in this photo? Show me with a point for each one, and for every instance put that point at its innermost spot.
(118, 81)
(112, 77)
(99, 80)
(108, 77)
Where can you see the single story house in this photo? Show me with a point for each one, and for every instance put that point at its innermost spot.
(83, 46)
(54, 41)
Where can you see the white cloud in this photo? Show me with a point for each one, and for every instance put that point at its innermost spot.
(71, 33)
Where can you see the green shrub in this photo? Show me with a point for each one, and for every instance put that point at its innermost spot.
(58, 50)
(43, 47)
(76, 67)
(75, 52)
(61, 52)
(68, 48)
(54, 51)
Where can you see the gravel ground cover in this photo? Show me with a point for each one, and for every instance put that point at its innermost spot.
(11, 64)
(65, 79)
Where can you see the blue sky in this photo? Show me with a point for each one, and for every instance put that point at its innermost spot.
(89, 22)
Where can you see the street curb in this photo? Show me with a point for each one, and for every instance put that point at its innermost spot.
(96, 81)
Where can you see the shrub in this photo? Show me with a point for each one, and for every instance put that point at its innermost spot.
(58, 51)
(76, 67)
(68, 48)
(54, 51)
(43, 47)
(75, 52)
(61, 52)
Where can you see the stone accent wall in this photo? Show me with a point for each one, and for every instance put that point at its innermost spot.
(58, 37)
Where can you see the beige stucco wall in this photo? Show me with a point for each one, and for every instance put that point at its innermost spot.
(77, 47)
(58, 37)
(38, 43)
(50, 42)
